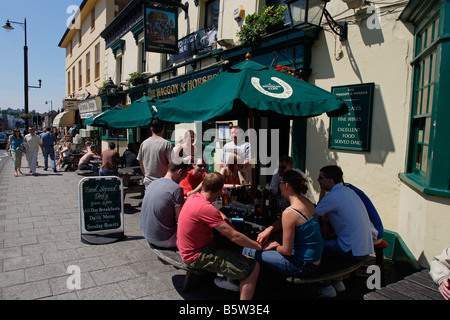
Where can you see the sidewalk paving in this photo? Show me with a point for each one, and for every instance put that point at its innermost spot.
(40, 239)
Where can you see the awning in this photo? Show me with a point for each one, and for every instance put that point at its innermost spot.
(64, 119)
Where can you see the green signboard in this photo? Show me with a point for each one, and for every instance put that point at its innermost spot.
(352, 131)
(101, 208)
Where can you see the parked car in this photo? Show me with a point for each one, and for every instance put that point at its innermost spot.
(3, 140)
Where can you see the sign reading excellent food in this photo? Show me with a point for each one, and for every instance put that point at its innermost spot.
(101, 205)
(352, 131)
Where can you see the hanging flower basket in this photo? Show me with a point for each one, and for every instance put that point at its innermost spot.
(25, 115)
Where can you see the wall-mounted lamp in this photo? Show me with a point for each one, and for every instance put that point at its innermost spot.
(111, 89)
(310, 13)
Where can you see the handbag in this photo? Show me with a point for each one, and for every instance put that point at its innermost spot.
(22, 148)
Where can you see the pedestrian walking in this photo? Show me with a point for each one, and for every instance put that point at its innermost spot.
(48, 149)
(17, 150)
(34, 142)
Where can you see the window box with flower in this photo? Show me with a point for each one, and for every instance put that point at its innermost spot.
(258, 25)
(136, 78)
(288, 71)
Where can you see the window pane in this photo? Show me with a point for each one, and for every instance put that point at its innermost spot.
(424, 100)
(419, 76)
(418, 155)
(429, 35)
(430, 99)
(426, 71)
(424, 159)
(418, 101)
(212, 13)
(420, 130)
(427, 129)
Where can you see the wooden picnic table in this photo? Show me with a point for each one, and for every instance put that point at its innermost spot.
(132, 179)
(417, 286)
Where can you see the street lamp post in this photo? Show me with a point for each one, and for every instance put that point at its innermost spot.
(51, 112)
(8, 27)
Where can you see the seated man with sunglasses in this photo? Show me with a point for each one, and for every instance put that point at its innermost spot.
(194, 179)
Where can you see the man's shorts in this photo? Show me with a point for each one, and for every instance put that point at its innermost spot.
(230, 264)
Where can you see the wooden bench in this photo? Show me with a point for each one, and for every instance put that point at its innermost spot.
(134, 188)
(417, 286)
(172, 257)
(85, 173)
(330, 269)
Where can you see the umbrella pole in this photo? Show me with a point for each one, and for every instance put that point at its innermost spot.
(253, 169)
(251, 125)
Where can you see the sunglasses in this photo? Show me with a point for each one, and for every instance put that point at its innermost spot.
(282, 167)
(202, 166)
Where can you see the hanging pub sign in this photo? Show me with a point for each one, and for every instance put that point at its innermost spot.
(161, 30)
(352, 131)
(101, 209)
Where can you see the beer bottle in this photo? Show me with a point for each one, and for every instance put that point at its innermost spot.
(234, 193)
(266, 204)
(225, 197)
(258, 202)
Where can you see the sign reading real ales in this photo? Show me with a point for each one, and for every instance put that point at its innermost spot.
(352, 131)
(101, 205)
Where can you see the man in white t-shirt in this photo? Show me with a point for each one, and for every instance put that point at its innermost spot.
(238, 146)
(154, 154)
(34, 143)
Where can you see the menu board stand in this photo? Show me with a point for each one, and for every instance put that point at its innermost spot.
(101, 209)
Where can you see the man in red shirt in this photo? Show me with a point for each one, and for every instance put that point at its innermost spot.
(193, 181)
(198, 249)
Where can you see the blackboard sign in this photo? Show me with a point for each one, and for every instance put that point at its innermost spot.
(352, 131)
(101, 208)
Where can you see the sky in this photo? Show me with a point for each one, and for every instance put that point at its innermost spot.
(46, 24)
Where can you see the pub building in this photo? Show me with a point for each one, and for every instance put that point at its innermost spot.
(384, 59)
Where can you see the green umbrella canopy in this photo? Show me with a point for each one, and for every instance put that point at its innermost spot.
(138, 114)
(102, 119)
(251, 85)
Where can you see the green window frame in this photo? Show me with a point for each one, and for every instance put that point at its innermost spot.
(428, 156)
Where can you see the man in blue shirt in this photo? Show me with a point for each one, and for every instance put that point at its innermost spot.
(348, 217)
(48, 142)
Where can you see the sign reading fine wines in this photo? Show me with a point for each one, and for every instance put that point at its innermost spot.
(352, 131)
(101, 209)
